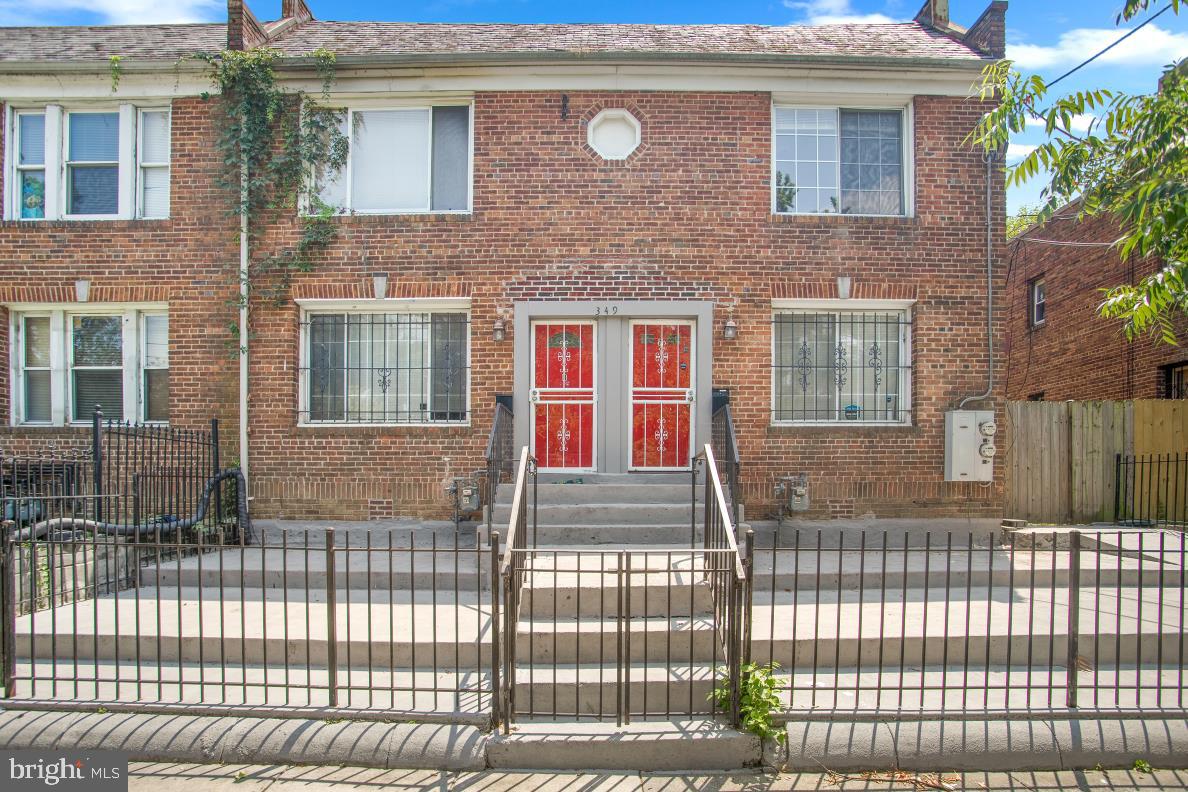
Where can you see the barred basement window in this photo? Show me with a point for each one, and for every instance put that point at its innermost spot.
(841, 366)
(386, 368)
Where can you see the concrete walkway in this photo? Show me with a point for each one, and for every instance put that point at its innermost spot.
(168, 777)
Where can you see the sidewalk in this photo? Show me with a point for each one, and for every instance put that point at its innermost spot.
(170, 777)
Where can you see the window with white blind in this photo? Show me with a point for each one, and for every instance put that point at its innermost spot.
(835, 160)
(402, 160)
(68, 361)
(92, 164)
(153, 160)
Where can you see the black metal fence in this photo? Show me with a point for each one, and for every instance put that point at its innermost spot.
(145, 476)
(943, 623)
(305, 620)
(1151, 489)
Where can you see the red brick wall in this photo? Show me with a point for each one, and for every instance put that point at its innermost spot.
(1075, 353)
(686, 218)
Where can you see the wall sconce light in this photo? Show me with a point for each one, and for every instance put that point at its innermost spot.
(843, 287)
(730, 330)
(380, 280)
(82, 290)
(499, 331)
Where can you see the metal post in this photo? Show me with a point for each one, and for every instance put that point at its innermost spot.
(495, 615)
(97, 461)
(1074, 610)
(8, 639)
(749, 590)
(215, 464)
(331, 622)
(1117, 488)
(693, 504)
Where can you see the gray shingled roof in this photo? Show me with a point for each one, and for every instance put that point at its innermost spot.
(99, 42)
(908, 40)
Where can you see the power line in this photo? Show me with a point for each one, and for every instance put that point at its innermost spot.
(1101, 52)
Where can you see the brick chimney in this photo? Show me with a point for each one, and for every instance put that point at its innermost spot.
(243, 30)
(988, 34)
(934, 14)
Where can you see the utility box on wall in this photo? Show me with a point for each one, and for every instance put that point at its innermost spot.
(969, 445)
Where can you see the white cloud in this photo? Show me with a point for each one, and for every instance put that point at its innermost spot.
(1078, 123)
(1151, 46)
(111, 12)
(1017, 151)
(835, 12)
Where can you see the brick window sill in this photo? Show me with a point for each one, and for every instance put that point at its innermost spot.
(88, 225)
(411, 219)
(841, 430)
(831, 220)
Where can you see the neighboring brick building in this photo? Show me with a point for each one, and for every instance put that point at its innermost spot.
(569, 214)
(1070, 351)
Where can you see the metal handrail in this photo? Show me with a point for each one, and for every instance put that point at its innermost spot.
(730, 456)
(516, 536)
(714, 485)
(496, 456)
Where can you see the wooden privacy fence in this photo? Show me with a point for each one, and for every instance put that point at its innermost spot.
(1061, 457)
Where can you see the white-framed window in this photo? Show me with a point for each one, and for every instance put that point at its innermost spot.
(66, 360)
(1039, 301)
(830, 160)
(92, 164)
(153, 164)
(834, 364)
(372, 365)
(29, 184)
(402, 160)
(88, 163)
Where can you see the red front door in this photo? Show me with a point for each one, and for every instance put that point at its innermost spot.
(661, 395)
(562, 396)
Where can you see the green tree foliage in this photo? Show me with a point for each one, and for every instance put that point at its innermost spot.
(1130, 163)
(1021, 220)
(285, 143)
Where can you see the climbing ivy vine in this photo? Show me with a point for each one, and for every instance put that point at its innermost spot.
(277, 147)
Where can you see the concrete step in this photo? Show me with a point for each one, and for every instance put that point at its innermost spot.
(999, 626)
(624, 536)
(954, 688)
(461, 693)
(628, 492)
(654, 689)
(356, 568)
(567, 514)
(262, 626)
(642, 745)
(596, 641)
(808, 568)
(599, 479)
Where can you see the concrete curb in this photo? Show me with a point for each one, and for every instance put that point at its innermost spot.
(186, 738)
(989, 745)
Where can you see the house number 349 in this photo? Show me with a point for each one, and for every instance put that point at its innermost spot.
(606, 310)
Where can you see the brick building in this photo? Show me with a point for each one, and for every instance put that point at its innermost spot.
(1058, 346)
(604, 223)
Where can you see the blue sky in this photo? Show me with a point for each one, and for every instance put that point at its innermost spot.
(1044, 36)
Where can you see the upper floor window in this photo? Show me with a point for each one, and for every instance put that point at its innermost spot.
(403, 160)
(67, 361)
(841, 365)
(831, 160)
(1175, 381)
(1039, 302)
(89, 164)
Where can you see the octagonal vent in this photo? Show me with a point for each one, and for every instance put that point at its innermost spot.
(614, 134)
